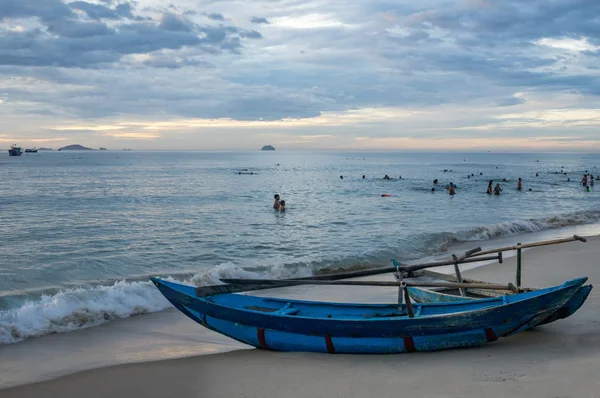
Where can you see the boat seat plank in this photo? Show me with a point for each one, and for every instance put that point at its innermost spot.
(262, 309)
(288, 311)
(285, 310)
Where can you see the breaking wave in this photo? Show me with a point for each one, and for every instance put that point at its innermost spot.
(531, 225)
(82, 307)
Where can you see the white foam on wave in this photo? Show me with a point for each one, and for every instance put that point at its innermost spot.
(532, 225)
(82, 307)
(73, 309)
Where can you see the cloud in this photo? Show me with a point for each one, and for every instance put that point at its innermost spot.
(137, 136)
(76, 30)
(457, 69)
(251, 34)
(95, 11)
(71, 42)
(216, 17)
(175, 23)
(46, 10)
(259, 20)
(512, 101)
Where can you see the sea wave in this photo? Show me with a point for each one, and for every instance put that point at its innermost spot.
(530, 225)
(81, 307)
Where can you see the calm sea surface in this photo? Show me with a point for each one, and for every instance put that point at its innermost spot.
(73, 223)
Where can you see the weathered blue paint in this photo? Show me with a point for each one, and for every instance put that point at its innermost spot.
(569, 308)
(293, 325)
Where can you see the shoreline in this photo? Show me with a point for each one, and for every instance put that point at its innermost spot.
(560, 359)
(91, 304)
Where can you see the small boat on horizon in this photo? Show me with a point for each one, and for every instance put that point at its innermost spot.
(31, 150)
(15, 150)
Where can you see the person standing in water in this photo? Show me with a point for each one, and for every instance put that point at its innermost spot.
(591, 180)
(451, 189)
(276, 204)
(489, 188)
(497, 189)
(282, 205)
(584, 180)
(519, 185)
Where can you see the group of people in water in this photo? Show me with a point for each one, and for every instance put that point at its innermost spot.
(278, 205)
(587, 184)
(587, 181)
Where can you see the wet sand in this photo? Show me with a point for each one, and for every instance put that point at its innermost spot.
(557, 360)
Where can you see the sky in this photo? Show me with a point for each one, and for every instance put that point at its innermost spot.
(516, 75)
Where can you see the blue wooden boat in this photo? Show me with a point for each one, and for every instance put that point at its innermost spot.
(294, 325)
(421, 295)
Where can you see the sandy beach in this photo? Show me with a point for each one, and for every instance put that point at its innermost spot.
(557, 360)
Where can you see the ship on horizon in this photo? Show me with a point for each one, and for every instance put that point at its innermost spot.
(15, 150)
(31, 150)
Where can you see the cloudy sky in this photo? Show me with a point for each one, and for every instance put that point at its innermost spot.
(301, 74)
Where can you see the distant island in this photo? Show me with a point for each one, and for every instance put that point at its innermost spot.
(268, 148)
(75, 147)
(103, 149)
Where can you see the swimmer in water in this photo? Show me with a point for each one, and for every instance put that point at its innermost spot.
(341, 177)
(584, 180)
(276, 204)
(519, 185)
(489, 188)
(282, 205)
(497, 189)
(435, 182)
(591, 180)
(451, 190)
(363, 176)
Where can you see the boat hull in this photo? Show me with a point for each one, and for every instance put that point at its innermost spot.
(291, 325)
(569, 308)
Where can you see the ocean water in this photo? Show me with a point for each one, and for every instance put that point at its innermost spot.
(80, 232)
